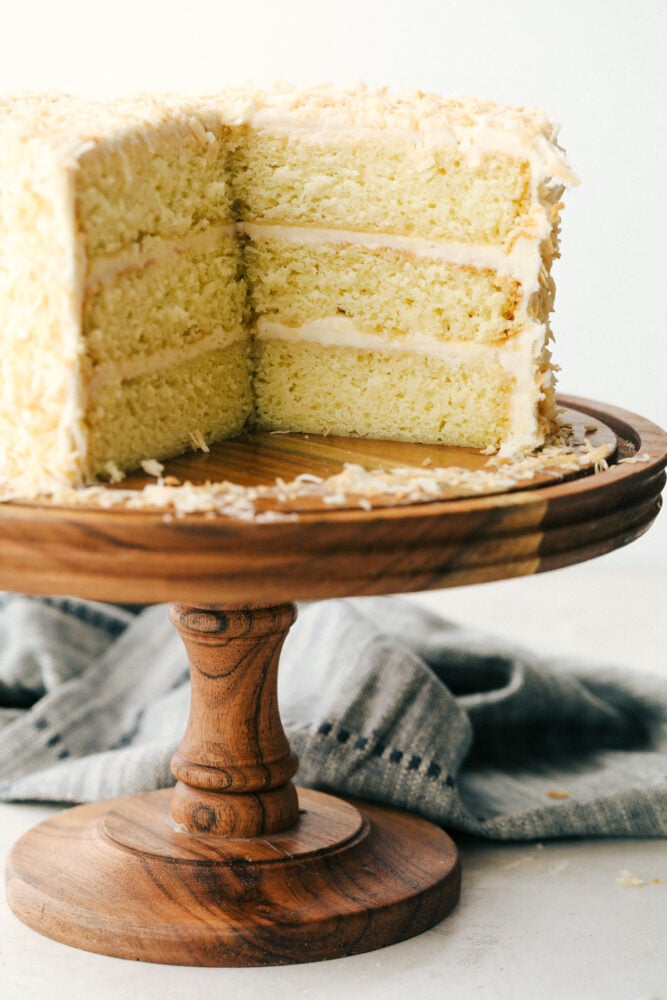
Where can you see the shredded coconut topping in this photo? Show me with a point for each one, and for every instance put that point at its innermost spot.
(152, 468)
(566, 453)
(198, 441)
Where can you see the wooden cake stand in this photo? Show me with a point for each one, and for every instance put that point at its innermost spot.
(231, 867)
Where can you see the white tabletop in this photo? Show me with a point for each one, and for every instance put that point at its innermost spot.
(548, 921)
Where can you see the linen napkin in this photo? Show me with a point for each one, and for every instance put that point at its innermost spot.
(380, 698)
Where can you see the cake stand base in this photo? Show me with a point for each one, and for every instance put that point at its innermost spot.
(120, 878)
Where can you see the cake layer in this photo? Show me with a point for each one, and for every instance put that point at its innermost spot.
(168, 411)
(169, 297)
(385, 292)
(379, 183)
(169, 179)
(303, 386)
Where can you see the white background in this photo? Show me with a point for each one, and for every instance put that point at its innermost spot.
(597, 67)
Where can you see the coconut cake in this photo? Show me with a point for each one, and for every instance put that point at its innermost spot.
(328, 260)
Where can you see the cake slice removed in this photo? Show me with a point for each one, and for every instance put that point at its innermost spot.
(398, 259)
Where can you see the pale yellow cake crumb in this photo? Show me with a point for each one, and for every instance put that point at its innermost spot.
(629, 880)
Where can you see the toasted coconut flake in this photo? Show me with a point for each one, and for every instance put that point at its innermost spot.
(198, 441)
(354, 486)
(152, 467)
(115, 474)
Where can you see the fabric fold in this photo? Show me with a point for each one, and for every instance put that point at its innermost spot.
(380, 698)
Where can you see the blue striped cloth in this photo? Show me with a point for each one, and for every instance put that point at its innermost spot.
(380, 699)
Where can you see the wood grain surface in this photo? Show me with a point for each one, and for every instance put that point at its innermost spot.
(234, 765)
(331, 887)
(128, 555)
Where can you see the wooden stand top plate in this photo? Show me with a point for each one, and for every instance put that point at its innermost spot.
(140, 556)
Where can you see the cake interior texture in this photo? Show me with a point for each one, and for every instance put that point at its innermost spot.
(323, 261)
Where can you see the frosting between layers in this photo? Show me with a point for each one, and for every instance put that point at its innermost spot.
(155, 249)
(328, 331)
(518, 264)
(129, 368)
(341, 331)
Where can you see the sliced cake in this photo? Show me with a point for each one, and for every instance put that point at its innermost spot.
(324, 261)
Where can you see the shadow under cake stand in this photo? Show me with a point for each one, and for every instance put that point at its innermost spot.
(232, 866)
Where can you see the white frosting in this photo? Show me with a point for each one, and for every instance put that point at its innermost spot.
(341, 331)
(481, 140)
(41, 274)
(478, 126)
(105, 269)
(521, 263)
(133, 367)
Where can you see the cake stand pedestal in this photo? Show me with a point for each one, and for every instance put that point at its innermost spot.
(232, 866)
